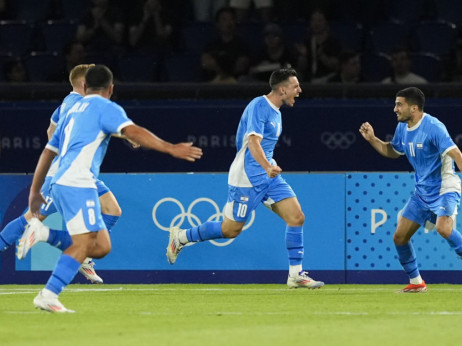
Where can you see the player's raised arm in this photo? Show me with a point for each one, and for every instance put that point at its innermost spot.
(383, 148)
(145, 138)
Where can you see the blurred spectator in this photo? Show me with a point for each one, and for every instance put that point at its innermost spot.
(273, 55)
(150, 28)
(223, 71)
(205, 10)
(15, 71)
(350, 69)
(227, 44)
(318, 56)
(401, 69)
(243, 9)
(102, 27)
(4, 14)
(74, 54)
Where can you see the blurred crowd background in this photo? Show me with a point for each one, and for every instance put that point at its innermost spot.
(234, 41)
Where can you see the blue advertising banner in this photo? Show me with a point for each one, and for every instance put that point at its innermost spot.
(152, 203)
(350, 220)
(322, 132)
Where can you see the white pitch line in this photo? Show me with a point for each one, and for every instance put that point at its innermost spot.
(5, 291)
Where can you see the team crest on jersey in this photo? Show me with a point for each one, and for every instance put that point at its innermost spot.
(419, 145)
(90, 203)
(244, 199)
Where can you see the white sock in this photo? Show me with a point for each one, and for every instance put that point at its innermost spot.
(182, 237)
(49, 294)
(295, 270)
(417, 280)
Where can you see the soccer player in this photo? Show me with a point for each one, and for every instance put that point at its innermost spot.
(81, 139)
(254, 178)
(432, 153)
(110, 208)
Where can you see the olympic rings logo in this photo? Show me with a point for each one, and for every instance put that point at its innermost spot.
(192, 218)
(338, 140)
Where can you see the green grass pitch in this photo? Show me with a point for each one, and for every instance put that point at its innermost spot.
(234, 315)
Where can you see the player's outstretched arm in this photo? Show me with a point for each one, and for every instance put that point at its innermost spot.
(383, 148)
(145, 138)
(35, 197)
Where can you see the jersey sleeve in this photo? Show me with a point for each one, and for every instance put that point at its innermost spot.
(53, 143)
(441, 138)
(397, 143)
(256, 121)
(114, 119)
(55, 116)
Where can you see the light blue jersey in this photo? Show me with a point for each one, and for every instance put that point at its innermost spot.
(83, 139)
(263, 119)
(67, 103)
(59, 114)
(426, 146)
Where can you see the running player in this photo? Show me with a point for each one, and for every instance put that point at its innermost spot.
(432, 153)
(81, 139)
(110, 208)
(254, 178)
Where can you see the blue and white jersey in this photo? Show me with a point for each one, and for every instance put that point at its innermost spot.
(260, 118)
(83, 139)
(426, 146)
(59, 114)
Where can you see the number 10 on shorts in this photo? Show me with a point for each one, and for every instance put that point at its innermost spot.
(242, 210)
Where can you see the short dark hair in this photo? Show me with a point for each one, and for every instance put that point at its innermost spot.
(98, 77)
(413, 96)
(281, 75)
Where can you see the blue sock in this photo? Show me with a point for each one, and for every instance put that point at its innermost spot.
(206, 231)
(12, 232)
(110, 221)
(65, 270)
(408, 260)
(294, 244)
(60, 239)
(455, 241)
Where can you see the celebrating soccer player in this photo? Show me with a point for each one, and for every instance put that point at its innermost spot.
(431, 151)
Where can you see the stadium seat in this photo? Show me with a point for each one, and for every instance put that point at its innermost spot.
(386, 36)
(428, 66)
(15, 37)
(182, 68)
(252, 35)
(449, 10)
(74, 9)
(294, 32)
(408, 11)
(43, 66)
(31, 10)
(196, 35)
(349, 34)
(57, 33)
(137, 68)
(375, 67)
(436, 37)
(3, 59)
(100, 58)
